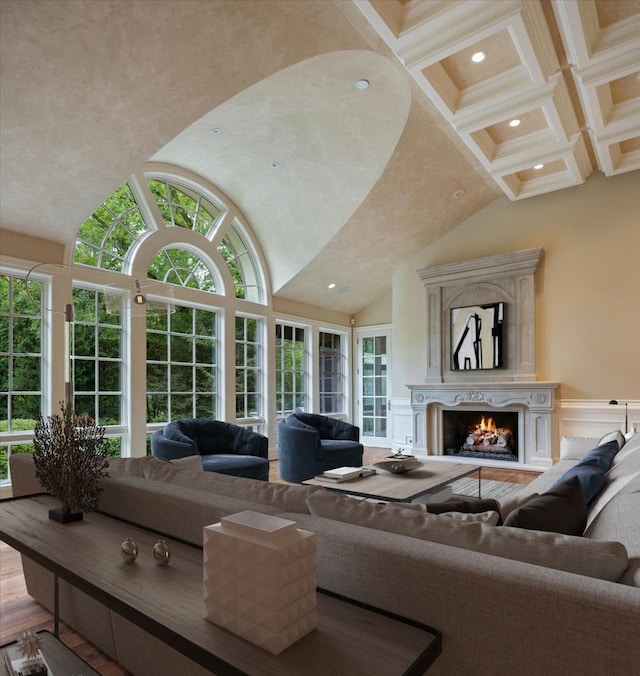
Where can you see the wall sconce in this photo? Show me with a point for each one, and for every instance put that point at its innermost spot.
(613, 402)
(139, 298)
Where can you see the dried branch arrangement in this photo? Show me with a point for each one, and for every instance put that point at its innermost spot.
(70, 458)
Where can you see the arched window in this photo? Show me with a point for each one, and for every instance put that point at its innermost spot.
(152, 204)
(105, 238)
(182, 267)
(166, 233)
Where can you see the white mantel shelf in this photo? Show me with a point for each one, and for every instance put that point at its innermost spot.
(534, 400)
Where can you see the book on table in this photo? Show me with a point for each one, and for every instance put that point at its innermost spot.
(22, 666)
(340, 474)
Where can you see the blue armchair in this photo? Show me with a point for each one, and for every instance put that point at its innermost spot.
(309, 444)
(225, 448)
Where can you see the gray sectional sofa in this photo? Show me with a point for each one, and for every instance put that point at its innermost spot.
(507, 600)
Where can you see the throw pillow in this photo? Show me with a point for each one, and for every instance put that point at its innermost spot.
(562, 509)
(590, 475)
(594, 558)
(603, 454)
(459, 508)
(616, 436)
(507, 505)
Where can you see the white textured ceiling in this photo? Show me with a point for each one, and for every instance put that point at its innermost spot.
(91, 91)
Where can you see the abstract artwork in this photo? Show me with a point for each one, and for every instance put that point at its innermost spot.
(476, 337)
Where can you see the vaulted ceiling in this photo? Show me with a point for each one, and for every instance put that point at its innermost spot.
(339, 183)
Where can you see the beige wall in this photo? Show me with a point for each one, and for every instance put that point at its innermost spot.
(587, 287)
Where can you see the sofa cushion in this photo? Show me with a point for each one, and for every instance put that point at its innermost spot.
(176, 511)
(593, 558)
(192, 462)
(283, 496)
(591, 477)
(573, 448)
(562, 509)
(372, 514)
(128, 466)
(619, 520)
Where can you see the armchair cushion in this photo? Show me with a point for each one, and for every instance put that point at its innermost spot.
(304, 452)
(223, 447)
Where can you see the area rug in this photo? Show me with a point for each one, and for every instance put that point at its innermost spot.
(490, 489)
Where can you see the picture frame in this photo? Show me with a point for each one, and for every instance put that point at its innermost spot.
(477, 337)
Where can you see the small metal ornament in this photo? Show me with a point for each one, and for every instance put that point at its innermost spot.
(161, 553)
(129, 550)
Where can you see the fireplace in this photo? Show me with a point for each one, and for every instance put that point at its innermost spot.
(533, 404)
(489, 434)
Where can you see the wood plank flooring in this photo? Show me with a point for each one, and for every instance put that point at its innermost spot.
(19, 612)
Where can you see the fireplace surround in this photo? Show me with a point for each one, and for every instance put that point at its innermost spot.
(534, 402)
(505, 281)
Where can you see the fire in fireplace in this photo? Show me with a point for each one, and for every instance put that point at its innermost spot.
(481, 434)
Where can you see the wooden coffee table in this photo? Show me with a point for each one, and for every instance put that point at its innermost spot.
(431, 478)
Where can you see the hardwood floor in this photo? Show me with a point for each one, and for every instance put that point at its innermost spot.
(19, 612)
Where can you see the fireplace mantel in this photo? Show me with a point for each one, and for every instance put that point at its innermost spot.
(535, 400)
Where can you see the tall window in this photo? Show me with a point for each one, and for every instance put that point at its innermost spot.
(181, 364)
(291, 369)
(331, 373)
(20, 365)
(96, 358)
(248, 373)
(374, 386)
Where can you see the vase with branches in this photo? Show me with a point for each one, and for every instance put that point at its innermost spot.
(70, 457)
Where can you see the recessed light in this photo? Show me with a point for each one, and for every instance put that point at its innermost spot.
(514, 123)
(362, 84)
(538, 166)
(332, 286)
(458, 193)
(478, 57)
(215, 130)
(273, 164)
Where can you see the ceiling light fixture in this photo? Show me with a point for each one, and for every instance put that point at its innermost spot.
(478, 57)
(362, 84)
(538, 166)
(332, 286)
(458, 193)
(273, 164)
(215, 130)
(514, 123)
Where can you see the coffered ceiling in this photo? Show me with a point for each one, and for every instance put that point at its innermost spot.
(567, 70)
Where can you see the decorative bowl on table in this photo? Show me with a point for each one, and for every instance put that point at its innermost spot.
(398, 466)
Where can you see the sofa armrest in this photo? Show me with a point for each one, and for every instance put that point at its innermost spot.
(23, 475)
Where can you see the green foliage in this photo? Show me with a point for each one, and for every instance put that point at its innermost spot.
(104, 238)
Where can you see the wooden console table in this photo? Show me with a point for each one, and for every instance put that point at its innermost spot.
(350, 638)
